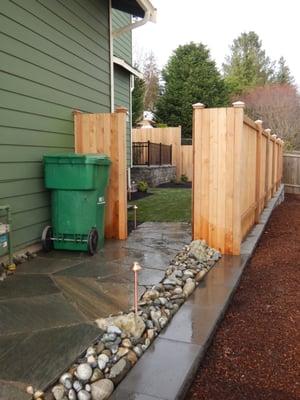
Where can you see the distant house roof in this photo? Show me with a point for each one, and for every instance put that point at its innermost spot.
(129, 6)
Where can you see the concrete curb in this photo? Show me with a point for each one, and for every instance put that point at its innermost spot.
(167, 369)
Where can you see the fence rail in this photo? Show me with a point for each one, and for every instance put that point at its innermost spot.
(237, 168)
(148, 153)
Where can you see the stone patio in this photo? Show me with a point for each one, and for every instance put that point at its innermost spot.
(48, 307)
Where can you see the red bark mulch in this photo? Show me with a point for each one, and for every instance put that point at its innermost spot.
(255, 354)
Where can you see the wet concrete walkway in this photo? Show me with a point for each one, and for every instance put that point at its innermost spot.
(48, 308)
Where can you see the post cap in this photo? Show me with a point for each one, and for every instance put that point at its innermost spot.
(135, 207)
(274, 136)
(238, 104)
(121, 110)
(198, 105)
(136, 267)
(268, 131)
(74, 112)
(258, 122)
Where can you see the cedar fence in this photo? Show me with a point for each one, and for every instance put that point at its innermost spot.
(291, 172)
(182, 155)
(237, 168)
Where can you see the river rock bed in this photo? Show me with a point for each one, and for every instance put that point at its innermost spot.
(127, 336)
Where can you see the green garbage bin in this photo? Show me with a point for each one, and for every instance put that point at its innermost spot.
(78, 183)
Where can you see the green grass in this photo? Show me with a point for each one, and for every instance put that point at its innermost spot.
(165, 205)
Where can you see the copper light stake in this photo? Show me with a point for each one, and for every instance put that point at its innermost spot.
(136, 268)
(135, 207)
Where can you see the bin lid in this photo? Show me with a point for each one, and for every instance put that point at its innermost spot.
(73, 158)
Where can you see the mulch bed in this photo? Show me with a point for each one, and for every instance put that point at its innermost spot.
(176, 185)
(139, 195)
(255, 353)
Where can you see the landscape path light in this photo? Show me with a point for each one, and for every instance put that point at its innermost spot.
(136, 268)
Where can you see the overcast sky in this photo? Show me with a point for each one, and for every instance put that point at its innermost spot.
(217, 22)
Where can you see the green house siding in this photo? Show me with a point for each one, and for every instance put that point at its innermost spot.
(54, 59)
(122, 98)
(123, 49)
(122, 43)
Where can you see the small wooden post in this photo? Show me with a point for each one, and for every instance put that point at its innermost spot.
(159, 153)
(149, 152)
(196, 181)
(118, 181)
(258, 194)
(136, 269)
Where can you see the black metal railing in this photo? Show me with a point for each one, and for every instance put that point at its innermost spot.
(148, 153)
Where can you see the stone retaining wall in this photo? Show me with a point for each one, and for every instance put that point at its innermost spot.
(154, 175)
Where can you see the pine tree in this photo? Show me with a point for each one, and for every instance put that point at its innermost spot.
(247, 66)
(138, 96)
(283, 74)
(190, 76)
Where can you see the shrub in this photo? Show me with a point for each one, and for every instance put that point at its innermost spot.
(142, 186)
(184, 178)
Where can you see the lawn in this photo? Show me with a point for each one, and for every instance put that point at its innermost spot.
(165, 205)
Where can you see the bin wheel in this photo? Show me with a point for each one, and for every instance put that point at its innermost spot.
(92, 241)
(46, 238)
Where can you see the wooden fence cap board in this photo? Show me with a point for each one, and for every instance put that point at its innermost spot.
(238, 104)
(121, 110)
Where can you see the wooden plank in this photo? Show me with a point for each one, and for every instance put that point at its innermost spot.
(187, 161)
(230, 165)
(213, 177)
(197, 209)
(258, 170)
(221, 179)
(238, 131)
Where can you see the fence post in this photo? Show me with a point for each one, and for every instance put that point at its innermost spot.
(217, 140)
(238, 132)
(258, 194)
(171, 154)
(198, 226)
(119, 177)
(159, 153)
(149, 144)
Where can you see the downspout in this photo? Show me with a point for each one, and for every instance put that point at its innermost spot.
(150, 15)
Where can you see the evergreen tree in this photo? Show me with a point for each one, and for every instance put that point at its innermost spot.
(283, 74)
(138, 95)
(190, 76)
(247, 66)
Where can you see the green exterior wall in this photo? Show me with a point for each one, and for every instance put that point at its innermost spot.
(122, 43)
(122, 46)
(122, 98)
(54, 58)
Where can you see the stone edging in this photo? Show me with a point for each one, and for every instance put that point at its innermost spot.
(126, 337)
